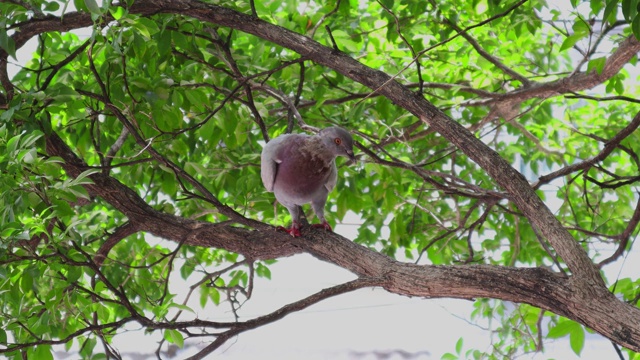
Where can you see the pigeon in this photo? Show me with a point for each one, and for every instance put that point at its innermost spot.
(301, 169)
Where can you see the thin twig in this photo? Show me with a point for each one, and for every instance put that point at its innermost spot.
(608, 149)
(465, 30)
(302, 304)
(333, 41)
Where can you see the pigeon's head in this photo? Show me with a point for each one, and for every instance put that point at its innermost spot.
(338, 141)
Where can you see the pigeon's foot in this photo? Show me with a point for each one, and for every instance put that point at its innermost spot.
(324, 225)
(293, 231)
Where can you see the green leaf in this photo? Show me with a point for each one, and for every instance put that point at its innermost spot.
(596, 64)
(83, 177)
(263, 271)
(12, 144)
(41, 352)
(146, 27)
(117, 12)
(563, 328)
(74, 274)
(88, 346)
(571, 40)
(174, 337)
(182, 307)
(580, 26)
(80, 5)
(459, 345)
(52, 6)
(619, 86)
(576, 339)
(629, 9)
(6, 42)
(596, 6)
(610, 11)
(93, 7)
(635, 27)
(26, 282)
(214, 295)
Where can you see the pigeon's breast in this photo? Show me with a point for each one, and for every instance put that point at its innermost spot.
(301, 177)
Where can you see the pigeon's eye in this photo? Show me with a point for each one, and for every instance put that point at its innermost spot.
(338, 141)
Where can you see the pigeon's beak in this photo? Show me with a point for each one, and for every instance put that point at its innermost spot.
(351, 156)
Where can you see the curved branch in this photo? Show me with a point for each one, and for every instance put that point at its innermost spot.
(302, 304)
(624, 237)
(576, 82)
(414, 55)
(592, 306)
(492, 59)
(608, 148)
(251, 244)
(120, 233)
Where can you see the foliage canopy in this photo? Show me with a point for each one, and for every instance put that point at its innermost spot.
(151, 121)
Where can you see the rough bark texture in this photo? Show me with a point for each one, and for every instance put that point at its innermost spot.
(581, 296)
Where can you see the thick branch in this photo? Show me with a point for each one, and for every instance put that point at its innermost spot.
(143, 217)
(576, 82)
(594, 307)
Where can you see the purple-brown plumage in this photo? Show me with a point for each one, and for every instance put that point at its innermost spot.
(301, 169)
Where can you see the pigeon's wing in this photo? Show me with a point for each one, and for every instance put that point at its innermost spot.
(269, 160)
(333, 177)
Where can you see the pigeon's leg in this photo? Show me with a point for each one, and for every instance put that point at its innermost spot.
(293, 231)
(318, 208)
(323, 225)
(295, 225)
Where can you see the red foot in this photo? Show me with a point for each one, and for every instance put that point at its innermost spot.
(295, 232)
(324, 225)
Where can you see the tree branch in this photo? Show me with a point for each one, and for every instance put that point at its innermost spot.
(251, 244)
(113, 239)
(302, 304)
(624, 237)
(482, 52)
(594, 307)
(609, 146)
